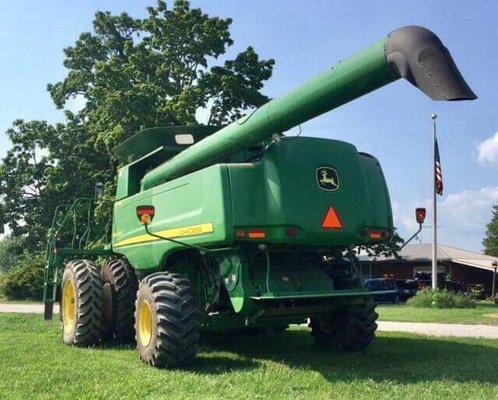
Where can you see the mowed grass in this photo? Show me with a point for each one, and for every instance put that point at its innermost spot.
(35, 364)
(485, 313)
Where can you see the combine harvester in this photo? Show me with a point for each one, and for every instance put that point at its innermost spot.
(237, 227)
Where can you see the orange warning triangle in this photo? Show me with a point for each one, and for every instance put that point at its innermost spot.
(332, 220)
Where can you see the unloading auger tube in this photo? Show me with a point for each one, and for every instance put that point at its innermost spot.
(412, 52)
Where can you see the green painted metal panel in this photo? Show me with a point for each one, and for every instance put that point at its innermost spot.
(319, 294)
(376, 193)
(123, 183)
(194, 209)
(282, 191)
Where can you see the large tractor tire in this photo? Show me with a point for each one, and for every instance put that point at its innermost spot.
(81, 304)
(120, 292)
(348, 328)
(166, 320)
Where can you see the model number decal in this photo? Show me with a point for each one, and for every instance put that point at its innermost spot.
(184, 231)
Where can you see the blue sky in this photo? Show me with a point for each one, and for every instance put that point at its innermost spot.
(306, 37)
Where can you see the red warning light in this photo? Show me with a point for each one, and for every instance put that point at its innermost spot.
(420, 215)
(332, 219)
(376, 235)
(257, 234)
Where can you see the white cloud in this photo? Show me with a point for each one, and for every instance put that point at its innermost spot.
(470, 208)
(462, 218)
(487, 151)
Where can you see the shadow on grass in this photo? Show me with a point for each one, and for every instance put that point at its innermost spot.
(390, 358)
(213, 364)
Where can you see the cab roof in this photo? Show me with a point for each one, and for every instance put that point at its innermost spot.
(173, 140)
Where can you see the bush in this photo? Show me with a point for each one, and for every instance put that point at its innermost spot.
(25, 281)
(428, 298)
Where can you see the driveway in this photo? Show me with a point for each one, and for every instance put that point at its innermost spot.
(430, 329)
(25, 308)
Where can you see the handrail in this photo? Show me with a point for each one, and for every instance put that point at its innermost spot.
(66, 223)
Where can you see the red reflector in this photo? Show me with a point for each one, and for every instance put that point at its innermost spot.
(375, 235)
(257, 234)
(240, 233)
(292, 232)
(148, 210)
(332, 220)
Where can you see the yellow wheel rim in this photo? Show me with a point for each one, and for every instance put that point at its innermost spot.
(145, 323)
(68, 306)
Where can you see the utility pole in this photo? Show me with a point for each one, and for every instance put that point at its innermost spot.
(434, 207)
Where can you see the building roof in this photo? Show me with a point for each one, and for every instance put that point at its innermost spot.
(422, 252)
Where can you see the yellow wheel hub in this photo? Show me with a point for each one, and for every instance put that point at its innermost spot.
(145, 323)
(68, 306)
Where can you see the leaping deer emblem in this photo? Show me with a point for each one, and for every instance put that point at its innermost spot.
(325, 179)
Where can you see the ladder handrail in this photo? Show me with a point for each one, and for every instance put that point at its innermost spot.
(66, 218)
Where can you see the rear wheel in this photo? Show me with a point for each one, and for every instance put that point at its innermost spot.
(81, 305)
(120, 292)
(166, 320)
(348, 328)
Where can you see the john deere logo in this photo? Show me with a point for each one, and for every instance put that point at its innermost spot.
(327, 178)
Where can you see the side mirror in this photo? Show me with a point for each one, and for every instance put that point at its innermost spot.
(145, 214)
(420, 214)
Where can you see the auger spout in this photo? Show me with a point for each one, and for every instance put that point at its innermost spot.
(412, 52)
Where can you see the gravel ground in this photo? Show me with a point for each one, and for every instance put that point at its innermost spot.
(431, 329)
(25, 308)
(459, 330)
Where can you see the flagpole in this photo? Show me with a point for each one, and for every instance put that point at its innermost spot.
(434, 207)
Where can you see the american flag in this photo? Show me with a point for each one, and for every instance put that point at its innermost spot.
(439, 174)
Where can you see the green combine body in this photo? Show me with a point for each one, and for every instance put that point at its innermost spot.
(241, 227)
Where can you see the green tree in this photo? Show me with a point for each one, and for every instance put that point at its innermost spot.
(156, 71)
(490, 242)
(23, 179)
(11, 249)
(25, 280)
(131, 73)
(389, 248)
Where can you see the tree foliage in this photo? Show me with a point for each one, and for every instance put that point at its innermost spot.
(490, 242)
(156, 71)
(130, 73)
(25, 280)
(11, 250)
(388, 248)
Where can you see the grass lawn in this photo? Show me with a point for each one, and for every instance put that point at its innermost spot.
(485, 312)
(35, 364)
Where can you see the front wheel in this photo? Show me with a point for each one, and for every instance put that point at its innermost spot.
(348, 328)
(166, 320)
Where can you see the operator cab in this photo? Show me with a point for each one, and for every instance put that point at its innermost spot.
(151, 147)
